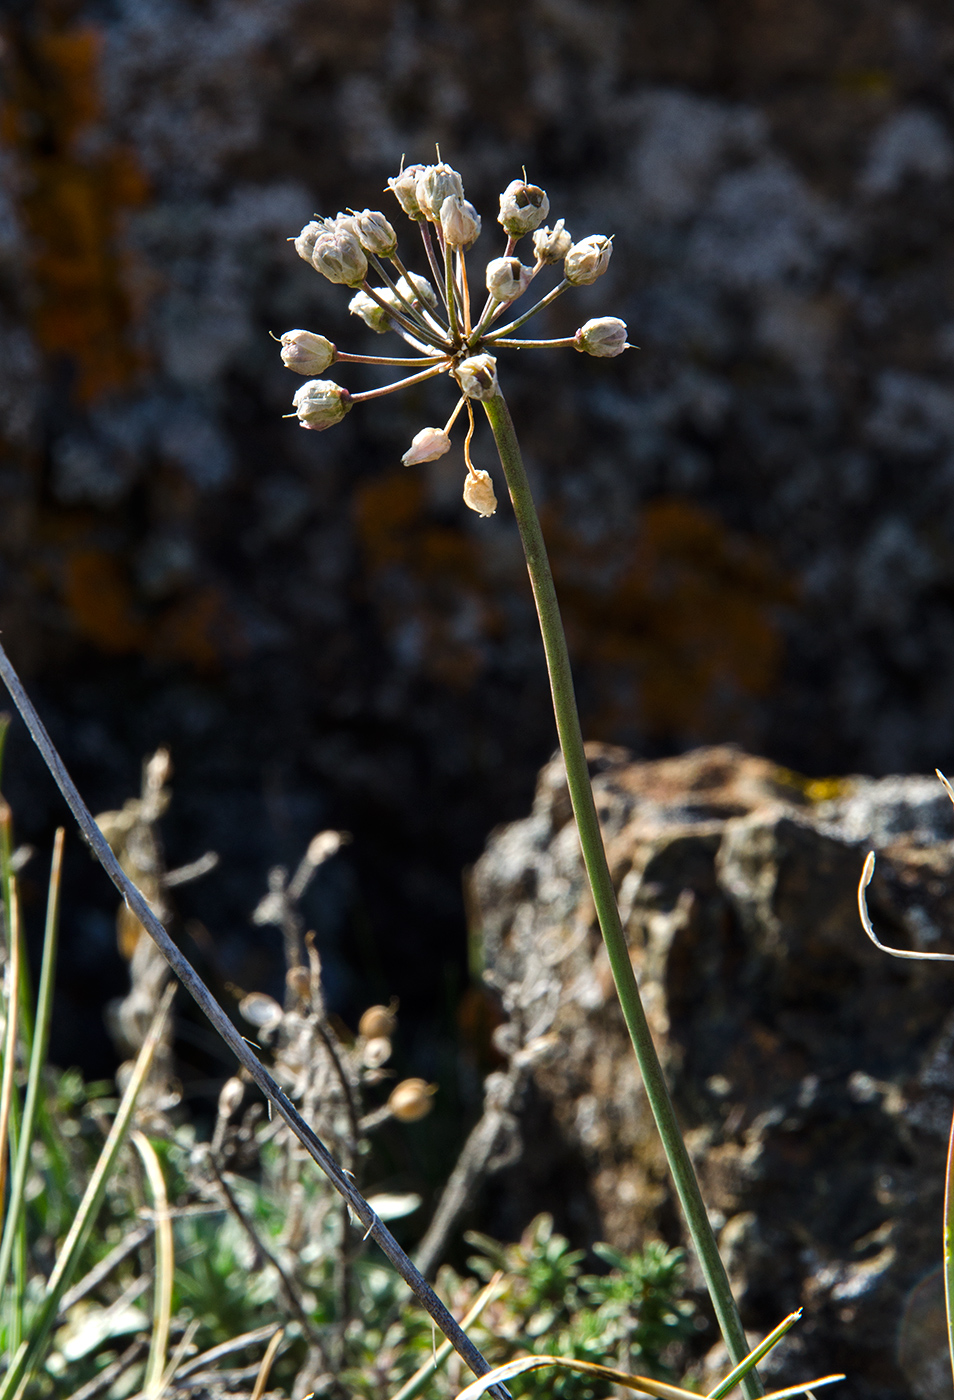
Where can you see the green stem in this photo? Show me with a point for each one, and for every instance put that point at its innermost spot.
(949, 1244)
(604, 896)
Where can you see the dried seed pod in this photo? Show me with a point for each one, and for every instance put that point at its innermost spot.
(552, 245)
(337, 254)
(230, 1097)
(417, 290)
(411, 1099)
(426, 446)
(298, 981)
(479, 492)
(604, 337)
(376, 1051)
(375, 234)
(477, 377)
(321, 403)
(507, 278)
(371, 312)
(460, 222)
(307, 353)
(260, 1010)
(404, 189)
(378, 1021)
(435, 183)
(523, 208)
(587, 260)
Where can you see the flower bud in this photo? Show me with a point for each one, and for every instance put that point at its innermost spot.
(477, 377)
(378, 1021)
(523, 208)
(434, 184)
(260, 1010)
(338, 255)
(479, 492)
(507, 278)
(604, 337)
(552, 245)
(307, 353)
(426, 446)
(404, 189)
(230, 1097)
(306, 240)
(321, 403)
(460, 222)
(587, 260)
(375, 234)
(411, 1099)
(417, 290)
(376, 1051)
(370, 312)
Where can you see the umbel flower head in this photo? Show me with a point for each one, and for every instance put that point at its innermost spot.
(435, 315)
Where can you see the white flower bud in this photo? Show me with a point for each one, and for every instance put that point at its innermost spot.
(306, 240)
(307, 353)
(426, 446)
(417, 290)
(321, 403)
(375, 234)
(434, 184)
(587, 260)
(460, 222)
(604, 337)
(376, 1051)
(338, 254)
(523, 208)
(479, 493)
(477, 377)
(507, 278)
(552, 245)
(404, 189)
(370, 312)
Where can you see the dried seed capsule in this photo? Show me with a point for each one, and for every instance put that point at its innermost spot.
(375, 234)
(321, 403)
(411, 1099)
(404, 189)
(426, 446)
(459, 221)
(260, 1010)
(587, 260)
(370, 312)
(479, 492)
(338, 255)
(552, 245)
(604, 337)
(507, 278)
(230, 1097)
(434, 184)
(418, 290)
(307, 353)
(477, 377)
(306, 240)
(376, 1051)
(523, 208)
(378, 1020)
(298, 981)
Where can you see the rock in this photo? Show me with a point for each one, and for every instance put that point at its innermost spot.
(813, 1075)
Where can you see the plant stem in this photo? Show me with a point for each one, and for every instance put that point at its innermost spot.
(604, 896)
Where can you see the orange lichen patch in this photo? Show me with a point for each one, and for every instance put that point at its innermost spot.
(192, 629)
(72, 201)
(683, 633)
(100, 602)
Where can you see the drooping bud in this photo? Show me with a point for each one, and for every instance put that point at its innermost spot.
(479, 492)
(307, 353)
(507, 278)
(604, 337)
(523, 208)
(411, 1099)
(404, 189)
(426, 446)
(376, 1051)
(338, 254)
(321, 403)
(378, 1020)
(375, 234)
(370, 312)
(417, 290)
(552, 245)
(477, 377)
(434, 184)
(460, 222)
(587, 259)
(306, 240)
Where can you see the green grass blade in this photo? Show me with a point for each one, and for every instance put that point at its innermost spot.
(27, 1359)
(755, 1356)
(165, 1268)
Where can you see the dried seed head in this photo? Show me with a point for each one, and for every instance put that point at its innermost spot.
(479, 492)
(477, 377)
(604, 337)
(337, 254)
(325, 845)
(411, 1099)
(523, 208)
(378, 1021)
(321, 403)
(417, 290)
(370, 312)
(507, 278)
(426, 446)
(459, 221)
(307, 353)
(375, 234)
(552, 245)
(306, 240)
(260, 1010)
(587, 260)
(230, 1097)
(376, 1051)
(404, 189)
(435, 183)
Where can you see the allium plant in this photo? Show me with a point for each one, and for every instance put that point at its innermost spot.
(436, 319)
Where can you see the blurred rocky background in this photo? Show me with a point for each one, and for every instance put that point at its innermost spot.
(750, 516)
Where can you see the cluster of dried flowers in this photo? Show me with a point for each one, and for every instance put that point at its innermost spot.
(436, 319)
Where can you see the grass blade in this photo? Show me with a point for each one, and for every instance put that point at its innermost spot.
(755, 1356)
(165, 1267)
(659, 1389)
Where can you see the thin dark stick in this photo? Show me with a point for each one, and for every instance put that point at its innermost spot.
(200, 993)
